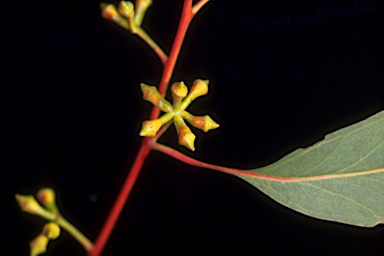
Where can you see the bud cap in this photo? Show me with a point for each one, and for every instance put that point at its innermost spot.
(51, 230)
(126, 9)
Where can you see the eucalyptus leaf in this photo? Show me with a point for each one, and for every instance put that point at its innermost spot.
(338, 179)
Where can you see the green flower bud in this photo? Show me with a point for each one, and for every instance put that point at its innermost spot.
(51, 230)
(126, 9)
(204, 123)
(141, 8)
(151, 94)
(186, 137)
(199, 88)
(38, 245)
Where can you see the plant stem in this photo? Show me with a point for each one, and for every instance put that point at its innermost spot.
(188, 160)
(159, 133)
(121, 199)
(169, 66)
(155, 47)
(82, 239)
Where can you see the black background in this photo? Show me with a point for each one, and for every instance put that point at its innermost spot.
(283, 74)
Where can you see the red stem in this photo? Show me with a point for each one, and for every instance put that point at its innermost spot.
(145, 146)
(189, 160)
(169, 66)
(120, 200)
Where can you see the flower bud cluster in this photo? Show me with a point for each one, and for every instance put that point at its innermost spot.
(177, 112)
(126, 15)
(47, 210)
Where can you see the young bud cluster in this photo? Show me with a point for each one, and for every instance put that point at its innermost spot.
(127, 15)
(109, 12)
(51, 230)
(181, 100)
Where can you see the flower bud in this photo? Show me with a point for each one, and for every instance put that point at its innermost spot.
(199, 88)
(150, 128)
(30, 205)
(38, 245)
(46, 197)
(126, 9)
(204, 123)
(186, 137)
(51, 230)
(109, 12)
(179, 91)
(141, 8)
(151, 94)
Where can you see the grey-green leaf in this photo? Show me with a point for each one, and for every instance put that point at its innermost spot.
(339, 179)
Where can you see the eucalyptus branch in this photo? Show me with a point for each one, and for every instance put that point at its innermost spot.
(144, 149)
(310, 173)
(130, 18)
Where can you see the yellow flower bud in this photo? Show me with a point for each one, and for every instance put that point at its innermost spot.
(186, 137)
(179, 91)
(46, 197)
(109, 12)
(39, 245)
(150, 128)
(204, 123)
(30, 205)
(151, 94)
(199, 88)
(51, 230)
(126, 9)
